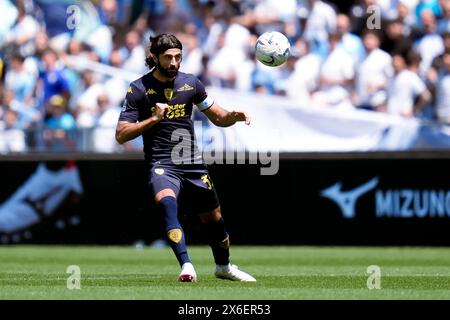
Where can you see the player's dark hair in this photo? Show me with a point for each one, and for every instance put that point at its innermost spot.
(160, 44)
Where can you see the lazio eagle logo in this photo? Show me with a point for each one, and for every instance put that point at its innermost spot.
(168, 93)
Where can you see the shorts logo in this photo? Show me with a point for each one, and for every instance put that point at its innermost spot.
(186, 87)
(205, 178)
(168, 93)
(175, 235)
(159, 171)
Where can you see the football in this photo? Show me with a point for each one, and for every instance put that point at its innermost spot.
(272, 48)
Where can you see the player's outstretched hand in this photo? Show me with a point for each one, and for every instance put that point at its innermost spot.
(160, 110)
(241, 116)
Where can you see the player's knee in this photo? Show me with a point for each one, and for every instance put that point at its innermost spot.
(212, 216)
(164, 193)
(175, 235)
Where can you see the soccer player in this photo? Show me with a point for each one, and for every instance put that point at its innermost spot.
(159, 106)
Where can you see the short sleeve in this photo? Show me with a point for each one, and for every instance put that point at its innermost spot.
(201, 99)
(130, 108)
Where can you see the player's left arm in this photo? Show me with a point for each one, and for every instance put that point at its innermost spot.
(223, 118)
(215, 113)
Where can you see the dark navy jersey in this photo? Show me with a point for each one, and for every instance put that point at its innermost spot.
(173, 137)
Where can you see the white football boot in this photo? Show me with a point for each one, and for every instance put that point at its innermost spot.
(187, 273)
(231, 272)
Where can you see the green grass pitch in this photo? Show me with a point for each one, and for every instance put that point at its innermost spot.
(283, 273)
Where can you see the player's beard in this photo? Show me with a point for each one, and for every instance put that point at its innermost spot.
(170, 72)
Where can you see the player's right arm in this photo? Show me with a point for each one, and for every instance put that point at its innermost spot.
(127, 131)
(128, 126)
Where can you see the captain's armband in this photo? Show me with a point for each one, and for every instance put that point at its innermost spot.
(205, 104)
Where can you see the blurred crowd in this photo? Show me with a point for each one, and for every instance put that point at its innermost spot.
(65, 65)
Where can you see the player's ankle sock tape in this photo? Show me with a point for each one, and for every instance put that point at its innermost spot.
(219, 241)
(216, 231)
(173, 230)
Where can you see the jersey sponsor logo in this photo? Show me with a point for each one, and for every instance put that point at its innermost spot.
(176, 111)
(168, 93)
(124, 107)
(150, 91)
(206, 180)
(130, 90)
(186, 87)
(159, 171)
(175, 235)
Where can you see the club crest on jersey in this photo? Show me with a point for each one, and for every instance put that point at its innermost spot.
(159, 171)
(186, 87)
(168, 93)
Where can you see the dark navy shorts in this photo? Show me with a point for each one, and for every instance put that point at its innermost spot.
(191, 184)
